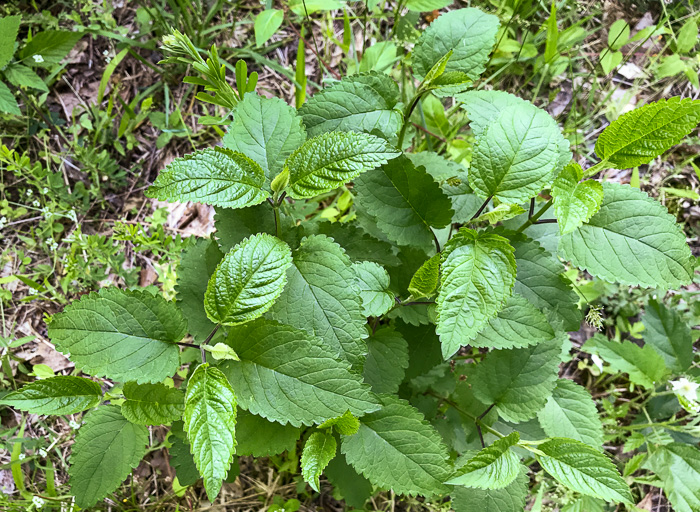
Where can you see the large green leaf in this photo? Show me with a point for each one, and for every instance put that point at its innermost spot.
(494, 467)
(123, 335)
(234, 225)
(359, 103)
(678, 467)
(248, 280)
(575, 201)
(266, 24)
(49, 47)
(152, 404)
(322, 297)
(360, 245)
(478, 272)
(405, 202)
(331, 159)
(632, 240)
(508, 499)
(210, 422)
(56, 395)
(8, 103)
(318, 451)
(425, 281)
(216, 176)
(387, 360)
(583, 469)
(105, 451)
(355, 489)
(571, 412)
(22, 76)
(639, 136)
(373, 282)
(667, 332)
(287, 375)
(397, 449)
(259, 437)
(9, 27)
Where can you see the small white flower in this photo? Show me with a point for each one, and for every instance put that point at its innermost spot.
(597, 361)
(38, 502)
(685, 388)
(45, 190)
(3, 221)
(43, 452)
(38, 58)
(73, 424)
(22, 456)
(36, 204)
(29, 192)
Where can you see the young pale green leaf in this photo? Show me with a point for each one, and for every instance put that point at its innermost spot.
(346, 425)
(248, 280)
(216, 176)
(678, 467)
(508, 499)
(373, 282)
(366, 102)
(105, 451)
(9, 27)
(266, 130)
(259, 437)
(404, 201)
(494, 467)
(266, 24)
(210, 423)
(425, 281)
(22, 76)
(318, 451)
(478, 272)
(503, 211)
(387, 360)
(639, 136)
(571, 412)
(152, 404)
(632, 240)
(8, 103)
(583, 469)
(331, 159)
(221, 351)
(470, 33)
(49, 47)
(575, 202)
(55, 396)
(519, 324)
(287, 375)
(322, 297)
(397, 449)
(667, 332)
(519, 381)
(123, 335)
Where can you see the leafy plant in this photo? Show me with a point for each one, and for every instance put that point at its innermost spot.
(353, 335)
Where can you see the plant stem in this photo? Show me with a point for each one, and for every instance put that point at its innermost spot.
(529, 222)
(481, 208)
(201, 347)
(469, 415)
(592, 171)
(407, 117)
(277, 220)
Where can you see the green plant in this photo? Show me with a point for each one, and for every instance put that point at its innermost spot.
(401, 339)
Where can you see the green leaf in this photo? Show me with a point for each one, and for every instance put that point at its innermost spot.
(519, 381)
(425, 281)
(427, 5)
(575, 202)
(503, 211)
(106, 449)
(423, 348)
(404, 201)
(234, 225)
(478, 272)
(322, 298)
(221, 351)
(519, 324)
(687, 36)
(632, 240)
(331, 159)
(152, 404)
(347, 424)
(508, 499)
(266, 24)
(355, 489)
(266, 130)
(678, 467)
(470, 33)
(397, 449)
(55, 396)
(181, 460)
(288, 376)
(571, 412)
(639, 136)
(583, 469)
(9, 28)
(667, 332)
(248, 280)
(366, 102)
(259, 437)
(359, 245)
(22, 76)
(215, 176)
(49, 47)
(8, 103)
(644, 365)
(122, 335)
(387, 360)
(318, 451)
(373, 282)
(618, 35)
(494, 467)
(210, 423)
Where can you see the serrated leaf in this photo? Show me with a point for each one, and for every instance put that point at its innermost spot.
(503, 211)
(22, 76)
(678, 467)
(518, 381)
(404, 201)
(639, 136)
(266, 24)
(667, 332)
(355, 489)
(123, 335)
(583, 469)
(423, 348)
(575, 202)
(9, 27)
(49, 47)
(470, 33)
(181, 460)
(55, 396)
(234, 225)
(210, 423)
(508, 499)
(397, 449)
(322, 298)
(332, 159)
(8, 103)
(478, 272)
(347, 424)
(632, 240)
(373, 282)
(152, 404)
(318, 451)
(494, 467)
(425, 281)
(215, 176)
(571, 412)
(106, 449)
(359, 245)
(287, 375)
(248, 280)
(387, 360)
(366, 102)
(259, 437)
(266, 130)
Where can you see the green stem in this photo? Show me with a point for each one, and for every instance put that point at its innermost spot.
(592, 171)
(529, 222)
(276, 208)
(407, 117)
(469, 415)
